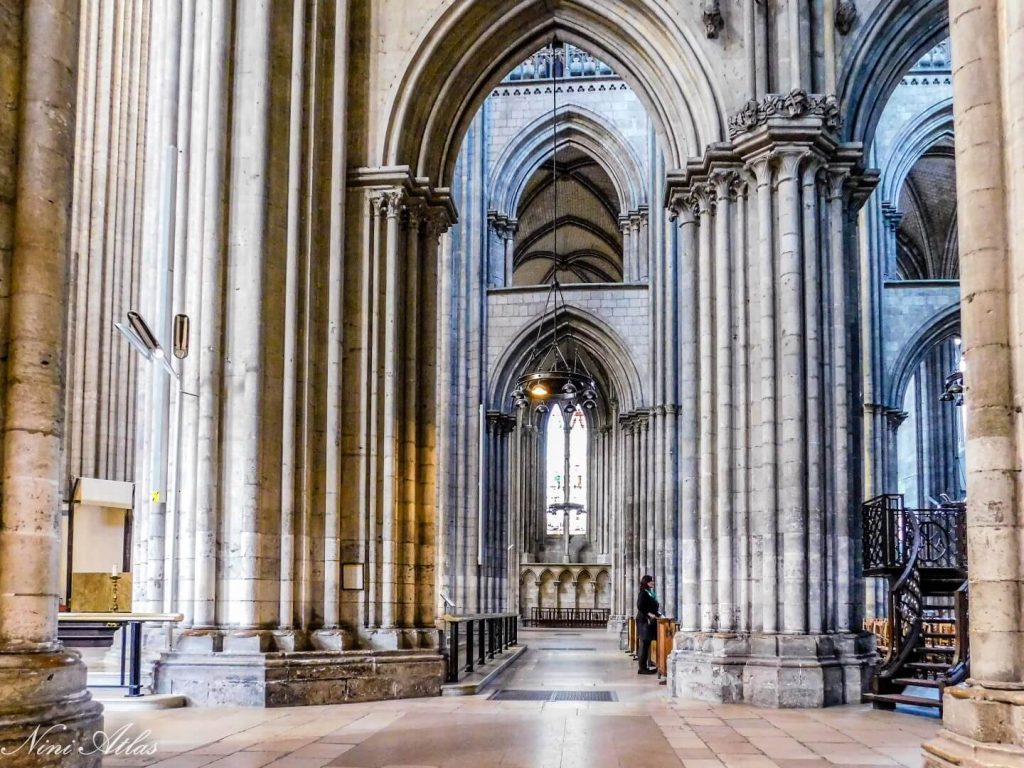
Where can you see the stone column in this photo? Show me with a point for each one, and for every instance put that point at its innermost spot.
(686, 209)
(389, 391)
(642, 234)
(244, 339)
(636, 255)
(983, 722)
(815, 433)
(841, 400)
(742, 442)
(892, 217)
(794, 648)
(793, 404)
(722, 184)
(44, 685)
(767, 508)
(509, 243)
(628, 275)
(706, 373)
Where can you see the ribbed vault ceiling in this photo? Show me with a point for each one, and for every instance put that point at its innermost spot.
(575, 238)
(927, 243)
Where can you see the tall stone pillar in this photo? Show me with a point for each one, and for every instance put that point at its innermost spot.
(686, 210)
(983, 722)
(785, 641)
(44, 685)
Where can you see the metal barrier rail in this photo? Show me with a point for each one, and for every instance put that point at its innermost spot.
(486, 634)
(132, 660)
(576, 618)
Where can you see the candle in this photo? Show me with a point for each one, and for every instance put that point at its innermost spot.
(114, 570)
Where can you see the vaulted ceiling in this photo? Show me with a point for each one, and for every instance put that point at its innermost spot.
(927, 242)
(571, 232)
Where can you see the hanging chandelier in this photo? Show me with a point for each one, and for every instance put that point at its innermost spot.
(555, 369)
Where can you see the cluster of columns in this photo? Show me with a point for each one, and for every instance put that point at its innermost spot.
(601, 472)
(105, 239)
(770, 521)
(501, 243)
(768, 471)
(44, 686)
(635, 519)
(635, 245)
(497, 521)
(305, 447)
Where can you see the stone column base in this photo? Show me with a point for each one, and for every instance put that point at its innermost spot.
(286, 679)
(771, 670)
(47, 716)
(983, 727)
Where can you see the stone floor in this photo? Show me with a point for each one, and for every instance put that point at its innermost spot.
(643, 728)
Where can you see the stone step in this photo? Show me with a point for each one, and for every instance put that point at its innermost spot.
(116, 701)
(893, 699)
(923, 683)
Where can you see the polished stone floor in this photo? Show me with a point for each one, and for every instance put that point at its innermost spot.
(643, 728)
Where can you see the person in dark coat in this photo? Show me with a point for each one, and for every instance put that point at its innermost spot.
(647, 612)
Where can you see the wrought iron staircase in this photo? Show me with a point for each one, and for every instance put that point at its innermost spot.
(923, 555)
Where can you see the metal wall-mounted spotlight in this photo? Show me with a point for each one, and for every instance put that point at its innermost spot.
(145, 335)
(181, 336)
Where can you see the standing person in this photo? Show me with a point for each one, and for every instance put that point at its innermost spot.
(647, 612)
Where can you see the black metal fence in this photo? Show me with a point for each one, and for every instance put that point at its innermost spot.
(471, 641)
(890, 530)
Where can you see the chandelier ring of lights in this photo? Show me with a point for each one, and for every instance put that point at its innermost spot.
(555, 369)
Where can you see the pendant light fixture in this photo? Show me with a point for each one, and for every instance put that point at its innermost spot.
(555, 369)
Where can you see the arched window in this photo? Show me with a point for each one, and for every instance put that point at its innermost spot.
(566, 461)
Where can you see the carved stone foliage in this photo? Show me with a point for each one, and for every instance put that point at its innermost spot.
(713, 21)
(797, 103)
(846, 15)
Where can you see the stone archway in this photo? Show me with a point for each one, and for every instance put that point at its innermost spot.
(893, 37)
(432, 110)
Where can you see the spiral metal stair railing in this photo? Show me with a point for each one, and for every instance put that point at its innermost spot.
(922, 553)
(905, 607)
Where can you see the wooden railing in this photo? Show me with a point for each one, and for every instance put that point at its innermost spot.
(576, 618)
(483, 636)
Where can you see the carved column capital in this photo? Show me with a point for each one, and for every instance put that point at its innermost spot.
(725, 182)
(895, 417)
(389, 202)
(707, 198)
(684, 207)
(435, 223)
(892, 215)
(789, 160)
(835, 179)
(413, 216)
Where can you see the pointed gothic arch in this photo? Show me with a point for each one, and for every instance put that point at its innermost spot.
(578, 127)
(889, 42)
(927, 129)
(471, 46)
(613, 366)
